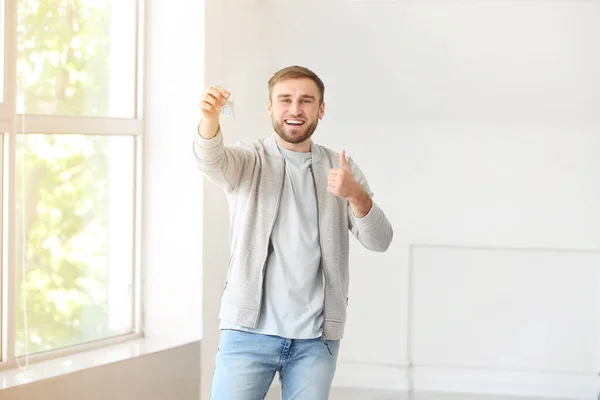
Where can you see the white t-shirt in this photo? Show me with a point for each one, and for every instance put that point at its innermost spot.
(293, 296)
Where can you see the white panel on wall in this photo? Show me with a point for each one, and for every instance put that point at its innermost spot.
(530, 310)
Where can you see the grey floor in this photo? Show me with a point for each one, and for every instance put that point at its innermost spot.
(363, 394)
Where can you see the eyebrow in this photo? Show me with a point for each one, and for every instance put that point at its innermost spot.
(304, 96)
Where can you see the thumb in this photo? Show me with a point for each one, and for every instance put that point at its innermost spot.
(343, 161)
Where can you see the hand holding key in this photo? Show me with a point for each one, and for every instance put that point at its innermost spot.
(214, 98)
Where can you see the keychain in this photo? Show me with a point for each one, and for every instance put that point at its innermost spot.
(227, 109)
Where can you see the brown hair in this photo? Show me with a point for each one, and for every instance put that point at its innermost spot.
(296, 72)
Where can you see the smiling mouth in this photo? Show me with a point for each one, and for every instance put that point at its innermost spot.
(293, 122)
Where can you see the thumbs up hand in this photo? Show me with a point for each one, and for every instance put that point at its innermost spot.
(343, 161)
(341, 182)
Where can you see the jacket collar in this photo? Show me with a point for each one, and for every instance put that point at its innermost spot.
(272, 150)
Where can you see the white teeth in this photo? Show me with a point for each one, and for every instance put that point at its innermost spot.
(293, 122)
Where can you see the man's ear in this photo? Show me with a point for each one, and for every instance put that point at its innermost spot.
(269, 108)
(322, 110)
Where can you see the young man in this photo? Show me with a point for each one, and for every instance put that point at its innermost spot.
(292, 206)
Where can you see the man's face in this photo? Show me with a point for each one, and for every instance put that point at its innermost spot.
(295, 109)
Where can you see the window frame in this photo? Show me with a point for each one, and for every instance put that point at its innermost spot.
(8, 103)
(14, 124)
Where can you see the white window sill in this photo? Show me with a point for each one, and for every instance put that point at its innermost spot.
(88, 359)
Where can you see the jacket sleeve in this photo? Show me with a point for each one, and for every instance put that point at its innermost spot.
(222, 165)
(374, 230)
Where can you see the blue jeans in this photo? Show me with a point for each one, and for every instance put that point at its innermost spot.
(246, 364)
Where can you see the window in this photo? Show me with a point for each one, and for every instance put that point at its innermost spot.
(77, 58)
(79, 235)
(71, 209)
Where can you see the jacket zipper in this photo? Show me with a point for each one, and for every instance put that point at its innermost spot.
(323, 336)
(264, 268)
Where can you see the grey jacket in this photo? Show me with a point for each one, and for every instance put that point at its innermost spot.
(251, 174)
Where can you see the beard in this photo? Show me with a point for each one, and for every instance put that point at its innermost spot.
(294, 134)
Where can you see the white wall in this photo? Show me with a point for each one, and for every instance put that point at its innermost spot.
(477, 124)
(172, 243)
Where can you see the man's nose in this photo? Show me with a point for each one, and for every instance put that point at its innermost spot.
(295, 108)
